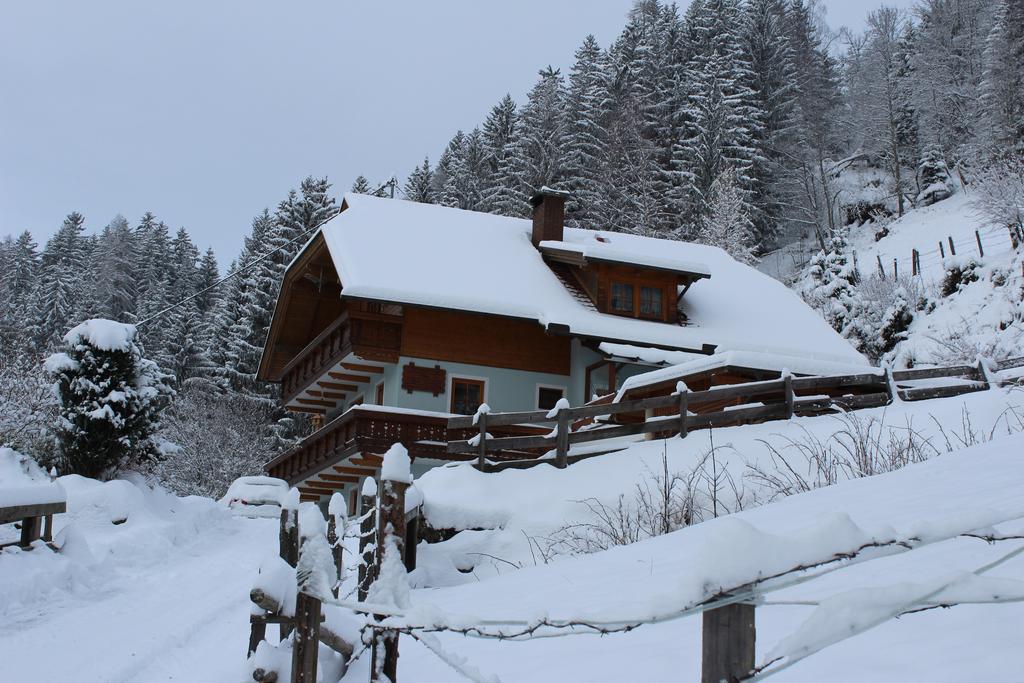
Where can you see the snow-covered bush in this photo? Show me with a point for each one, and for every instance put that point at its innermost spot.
(833, 278)
(110, 399)
(217, 438)
(960, 271)
(27, 407)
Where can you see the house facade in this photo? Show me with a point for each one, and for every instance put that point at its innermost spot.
(396, 316)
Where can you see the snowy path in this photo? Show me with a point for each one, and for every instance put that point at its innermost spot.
(181, 619)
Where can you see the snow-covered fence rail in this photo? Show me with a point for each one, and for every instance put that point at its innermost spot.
(745, 403)
(34, 507)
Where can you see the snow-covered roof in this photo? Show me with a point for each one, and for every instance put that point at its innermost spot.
(753, 360)
(428, 255)
(589, 248)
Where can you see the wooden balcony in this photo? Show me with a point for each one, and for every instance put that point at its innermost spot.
(366, 334)
(364, 432)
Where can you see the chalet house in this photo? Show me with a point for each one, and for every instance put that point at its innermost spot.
(397, 315)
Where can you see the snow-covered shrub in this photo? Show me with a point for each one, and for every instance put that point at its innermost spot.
(832, 279)
(217, 439)
(27, 407)
(960, 271)
(110, 399)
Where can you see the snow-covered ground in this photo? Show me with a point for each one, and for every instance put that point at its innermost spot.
(163, 595)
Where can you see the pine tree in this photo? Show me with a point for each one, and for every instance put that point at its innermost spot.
(726, 224)
(1002, 85)
(110, 400)
(586, 140)
(418, 186)
(114, 266)
(61, 285)
(20, 265)
(500, 136)
(361, 185)
(539, 152)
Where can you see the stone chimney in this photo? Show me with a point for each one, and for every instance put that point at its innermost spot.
(548, 215)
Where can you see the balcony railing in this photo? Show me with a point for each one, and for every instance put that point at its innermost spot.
(370, 429)
(370, 336)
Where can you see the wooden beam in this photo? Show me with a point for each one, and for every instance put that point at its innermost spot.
(360, 379)
(362, 368)
(344, 469)
(334, 386)
(344, 479)
(304, 409)
(342, 387)
(326, 394)
(324, 490)
(315, 402)
(368, 459)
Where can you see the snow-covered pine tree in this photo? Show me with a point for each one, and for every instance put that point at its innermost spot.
(153, 271)
(417, 186)
(60, 286)
(115, 279)
(110, 399)
(833, 284)
(19, 270)
(723, 120)
(499, 138)
(1002, 84)
(932, 176)
(774, 84)
(361, 185)
(726, 225)
(539, 152)
(463, 171)
(585, 137)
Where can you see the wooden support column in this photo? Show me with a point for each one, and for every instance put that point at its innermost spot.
(30, 530)
(727, 644)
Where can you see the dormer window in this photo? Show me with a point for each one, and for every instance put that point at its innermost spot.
(622, 298)
(651, 305)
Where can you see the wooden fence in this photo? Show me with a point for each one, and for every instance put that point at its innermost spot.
(913, 265)
(760, 401)
(381, 517)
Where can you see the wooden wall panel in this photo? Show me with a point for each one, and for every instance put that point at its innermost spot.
(483, 340)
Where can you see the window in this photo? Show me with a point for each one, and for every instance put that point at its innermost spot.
(379, 398)
(622, 297)
(650, 302)
(466, 395)
(547, 397)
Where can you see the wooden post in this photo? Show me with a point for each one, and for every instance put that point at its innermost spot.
(562, 440)
(981, 249)
(727, 643)
(1014, 238)
(412, 539)
(915, 264)
(881, 270)
(942, 250)
(337, 549)
(48, 529)
(895, 270)
(257, 632)
(30, 530)
(952, 247)
(289, 541)
(787, 381)
(481, 461)
(307, 638)
(391, 524)
(367, 529)
(684, 399)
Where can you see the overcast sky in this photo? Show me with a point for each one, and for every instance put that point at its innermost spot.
(205, 112)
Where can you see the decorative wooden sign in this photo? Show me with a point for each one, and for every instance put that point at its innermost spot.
(419, 378)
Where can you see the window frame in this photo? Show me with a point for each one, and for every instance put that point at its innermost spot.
(660, 315)
(452, 379)
(539, 387)
(632, 298)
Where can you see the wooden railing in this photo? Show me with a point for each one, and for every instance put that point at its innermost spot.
(371, 336)
(675, 414)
